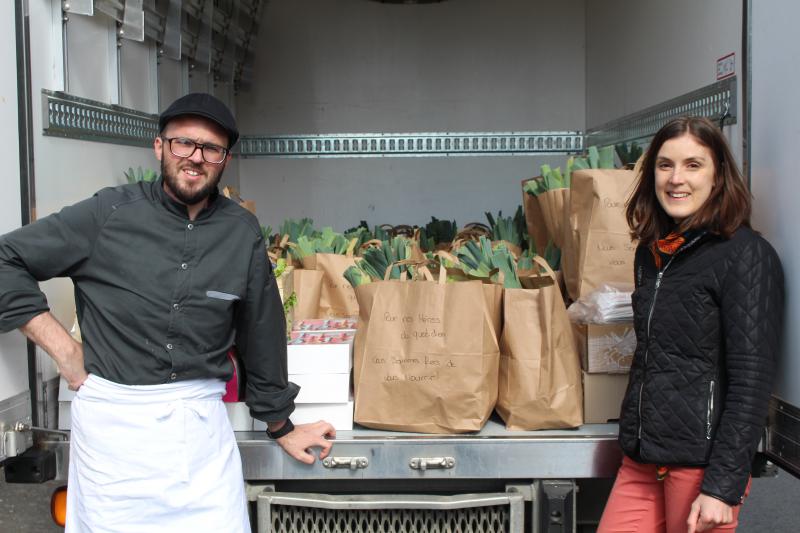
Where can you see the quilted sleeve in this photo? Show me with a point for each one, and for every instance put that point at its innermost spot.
(752, 311)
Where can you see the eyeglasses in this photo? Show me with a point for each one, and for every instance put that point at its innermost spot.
(183, 147)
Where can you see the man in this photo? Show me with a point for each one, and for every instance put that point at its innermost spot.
(168, 275)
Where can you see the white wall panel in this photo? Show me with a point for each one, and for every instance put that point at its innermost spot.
(91, 57)
(172, 81)
(67, 170)
(775, 135)
(138, 84)
(13, 352)
(358, 66)
(643, 52)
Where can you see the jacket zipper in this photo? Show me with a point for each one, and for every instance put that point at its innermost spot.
(647, 348)
(659, 276)
(710, 409)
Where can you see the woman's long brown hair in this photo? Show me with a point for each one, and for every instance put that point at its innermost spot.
(726, 209)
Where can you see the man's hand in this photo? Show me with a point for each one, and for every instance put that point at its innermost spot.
(72, 369)
(707, 513)
(47, 332)
(298, 442)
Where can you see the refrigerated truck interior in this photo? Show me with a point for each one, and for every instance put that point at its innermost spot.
(393, 112)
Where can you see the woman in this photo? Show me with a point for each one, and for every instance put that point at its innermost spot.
(707, 313)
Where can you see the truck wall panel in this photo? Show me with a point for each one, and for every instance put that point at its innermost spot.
(358, 66)
(643, 52)
(69, 170)
(13, 358)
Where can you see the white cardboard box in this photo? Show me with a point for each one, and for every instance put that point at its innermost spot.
(340, 415)
(322, 388)
(605, 348)
(320, 353)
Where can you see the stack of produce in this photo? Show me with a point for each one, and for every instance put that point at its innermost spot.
(437, 234)
(376, 260)
(628, 155)
(552, 191)
(509, 230)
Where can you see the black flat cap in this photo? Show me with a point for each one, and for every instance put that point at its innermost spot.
(202, 105)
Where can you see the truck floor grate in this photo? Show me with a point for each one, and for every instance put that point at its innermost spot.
(294, 519)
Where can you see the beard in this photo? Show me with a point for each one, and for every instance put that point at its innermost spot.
(187, 195)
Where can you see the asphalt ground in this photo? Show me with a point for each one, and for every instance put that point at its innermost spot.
(770, 508)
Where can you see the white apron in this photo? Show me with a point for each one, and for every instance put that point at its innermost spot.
(155, 458)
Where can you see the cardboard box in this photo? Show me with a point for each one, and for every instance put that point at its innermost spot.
(605, 348)
(339, 415)
(320, 353)
(602, 396)
(322, 388)
(326, 324)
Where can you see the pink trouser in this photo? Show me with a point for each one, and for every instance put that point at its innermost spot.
(640, 503)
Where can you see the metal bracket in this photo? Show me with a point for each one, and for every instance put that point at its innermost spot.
(353, 463)
(783, 435)
(68, 116)
(78, 7)
(716, 102)
(15, 415)
(554, 506)
(412, 144)
(432, 463)
(133, 21)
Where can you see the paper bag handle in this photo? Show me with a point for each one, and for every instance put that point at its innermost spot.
(388, 271)
(539, 260)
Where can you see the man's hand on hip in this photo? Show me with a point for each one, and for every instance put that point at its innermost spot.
(298, 442)
(47, 332)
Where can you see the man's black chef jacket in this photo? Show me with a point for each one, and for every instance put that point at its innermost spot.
(159, 298)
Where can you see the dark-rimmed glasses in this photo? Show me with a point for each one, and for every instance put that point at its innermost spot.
(183, 147)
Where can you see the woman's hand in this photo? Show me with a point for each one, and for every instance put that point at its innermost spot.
(707, 513)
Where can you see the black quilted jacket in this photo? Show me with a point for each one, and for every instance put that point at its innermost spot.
(707, 327)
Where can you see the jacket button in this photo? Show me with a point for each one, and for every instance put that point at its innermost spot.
(176, 306)
(184, 266)
(190, 227)
(169, 346)
(173, 376)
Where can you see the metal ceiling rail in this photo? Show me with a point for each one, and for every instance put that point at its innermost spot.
(412, 144)
(68, 116)
(716, 101)
(80, 118)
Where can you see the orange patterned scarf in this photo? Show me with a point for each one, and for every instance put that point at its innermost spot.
(666, 247)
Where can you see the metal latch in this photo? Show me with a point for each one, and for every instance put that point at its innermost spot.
(425, 463)
(352, 463)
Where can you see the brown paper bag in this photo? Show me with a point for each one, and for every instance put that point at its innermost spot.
(552, 204)
(601, 246)
(337, 298)
(307, 286)
(534, 219)
(540, 372)
(426, 355)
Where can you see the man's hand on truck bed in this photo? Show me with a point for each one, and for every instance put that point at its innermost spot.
(298, 443)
